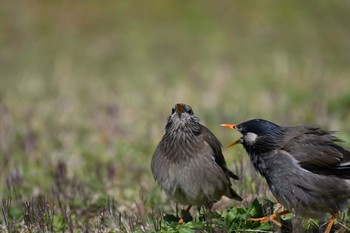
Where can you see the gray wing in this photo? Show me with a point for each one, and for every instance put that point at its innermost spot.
(317, 151)
(215, 144)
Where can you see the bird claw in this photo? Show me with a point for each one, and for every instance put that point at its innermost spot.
(270, 218)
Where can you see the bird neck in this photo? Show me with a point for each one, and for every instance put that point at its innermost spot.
(265, 163)
(183, 129)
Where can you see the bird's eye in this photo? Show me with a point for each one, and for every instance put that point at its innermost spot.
(190, 112)
(172, 110)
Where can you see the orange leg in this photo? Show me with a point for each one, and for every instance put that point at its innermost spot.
(270, 218)
(185, 213)
(331, 222)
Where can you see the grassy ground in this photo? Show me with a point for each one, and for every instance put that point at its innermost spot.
(85, 89)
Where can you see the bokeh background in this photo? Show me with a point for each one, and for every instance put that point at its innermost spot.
(86, 86)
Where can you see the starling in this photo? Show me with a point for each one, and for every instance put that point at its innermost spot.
(305, 168)
(188, 163)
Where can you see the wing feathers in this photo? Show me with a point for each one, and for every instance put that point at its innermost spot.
(317, 151)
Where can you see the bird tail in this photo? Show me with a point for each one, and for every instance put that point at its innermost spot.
(232, 175)
(234, 195)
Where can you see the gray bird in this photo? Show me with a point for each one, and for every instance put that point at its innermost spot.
(188, 163)
(305, 168)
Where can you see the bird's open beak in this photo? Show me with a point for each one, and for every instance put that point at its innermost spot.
(238, 141)
(232, 126)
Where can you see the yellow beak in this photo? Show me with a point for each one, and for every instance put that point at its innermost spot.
(231, 126)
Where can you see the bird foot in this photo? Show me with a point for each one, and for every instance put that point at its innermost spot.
(331, 222)
(270, 218)
(182, 219)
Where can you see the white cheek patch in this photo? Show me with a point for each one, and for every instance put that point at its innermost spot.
(250, 138)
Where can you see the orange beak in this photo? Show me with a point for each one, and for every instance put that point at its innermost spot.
(179, 108)
(238, 141)
(231, 126)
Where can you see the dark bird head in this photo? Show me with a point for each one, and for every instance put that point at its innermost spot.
(182, 119)
(258, 136)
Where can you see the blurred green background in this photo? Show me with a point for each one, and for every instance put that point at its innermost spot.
(89, 84)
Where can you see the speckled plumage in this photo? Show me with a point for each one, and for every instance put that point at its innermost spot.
(188, 163)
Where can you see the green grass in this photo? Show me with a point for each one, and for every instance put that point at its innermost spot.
(85, 89)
